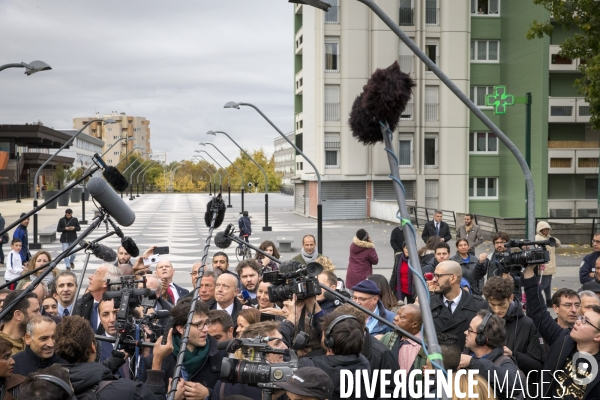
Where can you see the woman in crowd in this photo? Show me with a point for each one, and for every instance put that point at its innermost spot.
(50, 305)
(467, 263)
(247, 317)
(427, 252)
(264, 304)
(40, 258)
(9, 382)
(387, 296)
(362, 258)
(401, 281)
(268, 247)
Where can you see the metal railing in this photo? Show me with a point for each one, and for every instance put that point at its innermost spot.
(332, 16)
(432, 16)
(407, 114)
(561, 111)
(431, 112)
(406, 16)
(421, 215)
(332, 111)
(8, 191)
(407, 63)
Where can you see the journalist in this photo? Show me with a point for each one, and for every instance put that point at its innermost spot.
(495, 266)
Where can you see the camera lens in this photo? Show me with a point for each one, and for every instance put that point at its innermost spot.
(253, 373)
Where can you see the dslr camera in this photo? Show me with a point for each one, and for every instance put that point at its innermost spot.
(293, 278)
(533, 256)
(257, 372)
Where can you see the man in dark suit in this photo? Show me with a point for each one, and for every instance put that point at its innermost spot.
(226, 291)
(452, 307)
(108, 317)
(437, 227)
(165, 271)
(87, 306)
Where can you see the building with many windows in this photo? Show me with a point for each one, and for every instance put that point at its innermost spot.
(448, 158)
(82, 149)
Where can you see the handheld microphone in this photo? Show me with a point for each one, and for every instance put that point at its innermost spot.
(222, 240)
(100, 251)
(384, 98)
(216, 204)
(112, 175)
(127, 242)
(428, 276)
(111, 201)
(160, 314)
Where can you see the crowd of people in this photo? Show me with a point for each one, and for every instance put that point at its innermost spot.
(488, 316)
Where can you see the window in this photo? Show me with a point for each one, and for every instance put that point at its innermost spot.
(478, 94)
(332, 150)
(431, 193)
(405, 150)
(431, 49)
(407, 58)
(431, 13)
(431, 103)
(406, 13)
(332, 54)
(483, 142)
(483, 188)
(332, 102)
(332, 15)
(485, 50)
(485, 7)
(430, 150)
(591, 187)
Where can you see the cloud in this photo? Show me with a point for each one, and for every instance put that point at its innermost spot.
(175, 63)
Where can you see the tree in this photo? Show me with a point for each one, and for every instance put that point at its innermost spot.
(583, 15)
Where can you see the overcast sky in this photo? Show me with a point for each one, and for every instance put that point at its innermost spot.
(174, 62)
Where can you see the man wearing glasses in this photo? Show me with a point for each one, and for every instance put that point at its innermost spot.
(202, 362)
(366, 293)
(566, 304)
(452, 307)
(588, 265)
(489, 264)
(571, 367)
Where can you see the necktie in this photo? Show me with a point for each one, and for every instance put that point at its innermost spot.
(171, 296)
(449, 304)
(437, 229)
(94, 317)
(66, 312)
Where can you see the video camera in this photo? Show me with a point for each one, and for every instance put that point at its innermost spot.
(128, 325)
(294, 278)
(534, 256)
(257, 372)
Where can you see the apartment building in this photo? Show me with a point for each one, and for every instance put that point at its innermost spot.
(135, 129)
(284, 156)
(448, 158)
(82, 149)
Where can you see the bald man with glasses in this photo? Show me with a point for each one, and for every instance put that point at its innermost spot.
(452, 307)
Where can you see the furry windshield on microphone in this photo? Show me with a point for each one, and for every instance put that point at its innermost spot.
(222, 240)
(220, 206)
(115, 178)
(384, 98)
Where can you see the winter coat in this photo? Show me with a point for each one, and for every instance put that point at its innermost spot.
(429, 230)
(21, 233)
(10, 384)
(474, 237)
(332, 365)
(562, 346)
(395, 283)
(27, 362)
(427, 257)
(301, 260)
(245, 226)
(360, 264)
(380, 358)
(474, 277)
(491, 268)
(523, 339)
(489, 370)
(68, 236)
(587, 266)
(455, 323)
(85, 376)
(550, 265)
(397, 239)
(382, 328)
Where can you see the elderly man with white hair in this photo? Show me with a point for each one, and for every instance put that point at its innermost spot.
(87, 306)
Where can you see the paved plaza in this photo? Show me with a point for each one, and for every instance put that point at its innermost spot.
(177, 220)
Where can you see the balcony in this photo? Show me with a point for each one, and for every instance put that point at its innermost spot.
(332, 16)
(568, 109)
(299, 123)
(561, 64)
(299, 79)
(408, 113)
(432, 16)
(407, 64)
(578, 208)
(299, 41)
(332, 111)
(431, 112)
(572, 161)
(406, 16)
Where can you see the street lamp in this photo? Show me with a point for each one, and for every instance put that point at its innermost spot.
(131, 177)
(234, 166)
(137, 181)
(226, 172)
(144, 178)
(214, 173)
(31, 68)
(210, 174)
(35, 245)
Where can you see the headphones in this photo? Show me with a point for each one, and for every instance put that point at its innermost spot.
(329, 342)
(58, 382)
(481, 339)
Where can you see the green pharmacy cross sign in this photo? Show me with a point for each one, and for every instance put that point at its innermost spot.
(499, 100)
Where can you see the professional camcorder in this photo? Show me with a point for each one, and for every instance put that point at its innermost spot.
(293, 278)
(255, 370)
(532, 256)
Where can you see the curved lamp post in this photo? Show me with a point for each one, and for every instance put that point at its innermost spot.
(35, 245)
(31, 68)
(234, 166)
(131, 177)
(215, 173)
(210, 174)
(144, 177)
(137, 180)
(226, 172)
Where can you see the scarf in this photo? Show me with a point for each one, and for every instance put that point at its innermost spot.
(193, 360)
(308, 257)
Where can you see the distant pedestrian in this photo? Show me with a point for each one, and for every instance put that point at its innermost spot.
(397, 240)
(470, 232)
(543, 233)
(14, 265)
(2, 238)
(21, 234)
(437, 227)
(401, 281)
(245, 228)
(362, 258)
(68, 226)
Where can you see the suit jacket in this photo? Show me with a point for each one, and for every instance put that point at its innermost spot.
(455, 323)
(429, 230)
(106, 352)
(83, 308)
(181, 291)
(237, 307)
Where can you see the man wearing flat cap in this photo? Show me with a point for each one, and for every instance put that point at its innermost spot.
(308, 383)
(367, 294)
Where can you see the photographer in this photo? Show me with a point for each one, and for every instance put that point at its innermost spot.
(493, 266)
(202, 362)
(308, 383)
(76, 343)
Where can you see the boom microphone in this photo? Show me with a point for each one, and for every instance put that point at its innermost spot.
(112, 175)
(222, 240)
(216, 204)
(384, 98)
(111, 201)
(127, 242)
(101, 251)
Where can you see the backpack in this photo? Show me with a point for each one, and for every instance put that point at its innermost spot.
(92, 394)
(522, 376)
